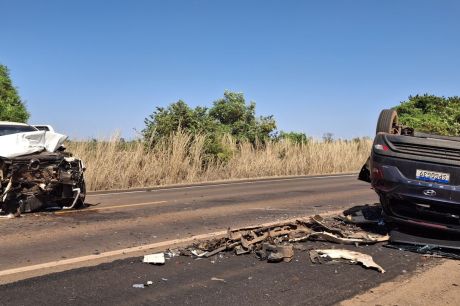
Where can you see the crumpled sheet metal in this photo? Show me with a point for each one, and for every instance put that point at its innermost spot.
(352, 256)
(344, 236)
(359, 238)
(268, 242)
(19, 144)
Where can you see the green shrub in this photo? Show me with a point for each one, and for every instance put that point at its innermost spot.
(431, 114)
(229, 115)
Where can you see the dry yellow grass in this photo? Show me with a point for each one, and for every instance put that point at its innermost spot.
(113, 164)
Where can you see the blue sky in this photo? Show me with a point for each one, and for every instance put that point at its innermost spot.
(93, 67)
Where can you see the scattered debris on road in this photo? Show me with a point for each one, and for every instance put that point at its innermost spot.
(363, 215)
(171, 253)
(358, 226)
(276, 243)
(427, 250)
(142, 286)
(275, 253)
(352, 256)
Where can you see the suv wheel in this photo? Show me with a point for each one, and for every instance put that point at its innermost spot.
(388, 122)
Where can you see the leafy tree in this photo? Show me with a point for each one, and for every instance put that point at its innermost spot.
(229, 115)
(431, 114)
(239, 120)
(178, 115)
(11, 106)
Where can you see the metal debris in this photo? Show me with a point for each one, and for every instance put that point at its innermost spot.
(428, 250)
(357, 238)
(352, 256)
(436, 244)
(171, 253)
(276, 253)
(274, 243)
(156, 259)
(300, 247)
(142, 286)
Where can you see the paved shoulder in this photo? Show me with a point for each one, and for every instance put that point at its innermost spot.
(225, 280)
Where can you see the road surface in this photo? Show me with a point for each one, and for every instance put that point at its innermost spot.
(116, 227)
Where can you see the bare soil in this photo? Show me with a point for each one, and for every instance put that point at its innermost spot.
(438, 285)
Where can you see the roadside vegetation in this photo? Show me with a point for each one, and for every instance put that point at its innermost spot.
(182, 144)
(183, 158)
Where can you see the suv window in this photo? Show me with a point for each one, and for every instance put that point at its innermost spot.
(14, 129)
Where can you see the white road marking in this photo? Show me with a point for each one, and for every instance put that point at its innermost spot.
(109, 207)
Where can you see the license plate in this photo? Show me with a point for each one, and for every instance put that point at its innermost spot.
(432, 176)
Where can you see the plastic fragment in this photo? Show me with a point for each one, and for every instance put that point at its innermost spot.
(156, 259)
(352, 256)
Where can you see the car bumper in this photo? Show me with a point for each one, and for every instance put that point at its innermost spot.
(417, 203)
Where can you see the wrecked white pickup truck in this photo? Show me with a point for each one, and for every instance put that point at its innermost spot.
(35, 171)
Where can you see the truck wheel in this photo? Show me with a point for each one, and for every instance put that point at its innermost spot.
(388, 122)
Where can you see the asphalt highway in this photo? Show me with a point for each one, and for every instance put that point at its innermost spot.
(51, 257)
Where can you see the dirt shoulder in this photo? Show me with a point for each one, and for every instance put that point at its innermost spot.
(438, 285)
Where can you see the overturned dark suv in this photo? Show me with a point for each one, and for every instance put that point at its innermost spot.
(416, 175)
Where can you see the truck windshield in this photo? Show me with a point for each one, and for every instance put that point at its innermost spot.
(14, 129)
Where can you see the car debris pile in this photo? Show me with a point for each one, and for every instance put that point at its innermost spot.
(36, 172)
(277, 242)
